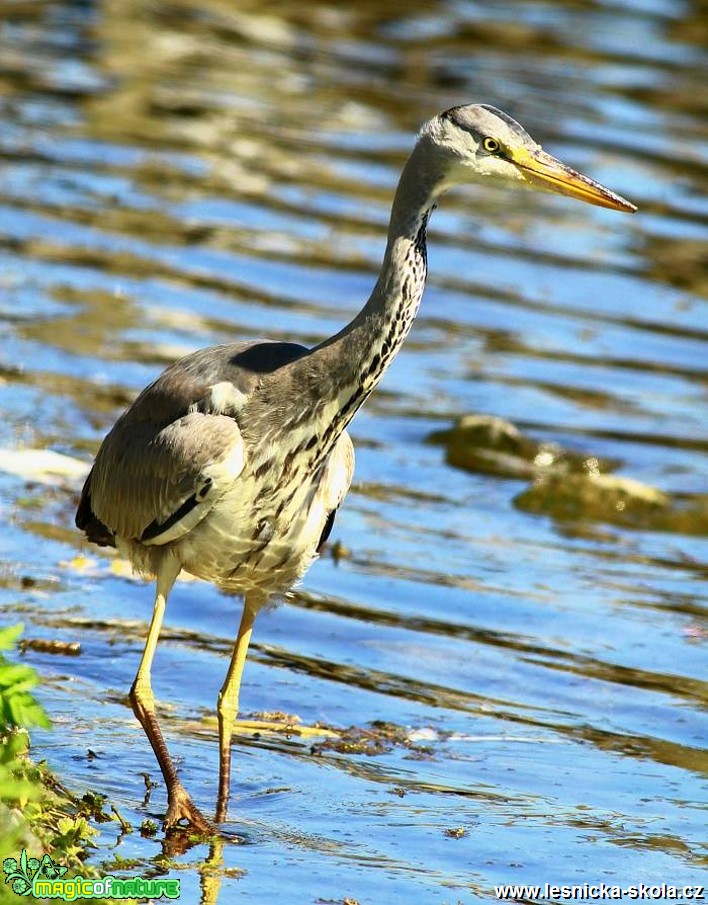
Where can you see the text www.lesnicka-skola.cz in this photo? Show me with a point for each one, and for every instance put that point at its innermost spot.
(583, 892)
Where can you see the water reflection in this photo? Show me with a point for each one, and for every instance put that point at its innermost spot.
(174, 175)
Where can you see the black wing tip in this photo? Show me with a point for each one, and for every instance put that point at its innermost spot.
(86, 521)
(96, 532)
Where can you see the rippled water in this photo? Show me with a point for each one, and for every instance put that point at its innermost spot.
(174, 175)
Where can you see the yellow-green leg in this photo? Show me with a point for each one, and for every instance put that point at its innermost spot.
(142, 699)
(227, 707)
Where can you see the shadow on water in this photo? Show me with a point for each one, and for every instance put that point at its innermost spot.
(511, 658)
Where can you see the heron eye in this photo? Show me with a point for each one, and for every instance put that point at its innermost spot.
(491, 145)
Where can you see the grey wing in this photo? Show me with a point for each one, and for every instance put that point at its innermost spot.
(178, 448)
(155, 486)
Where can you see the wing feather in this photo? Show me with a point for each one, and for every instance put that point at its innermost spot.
(176, 450)
(141, 480)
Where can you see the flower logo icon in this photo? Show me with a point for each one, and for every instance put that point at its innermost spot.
(20, 874)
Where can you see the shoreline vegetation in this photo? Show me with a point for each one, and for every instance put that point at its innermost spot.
(38, 814)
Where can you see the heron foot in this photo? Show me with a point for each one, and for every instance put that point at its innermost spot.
(181, 808)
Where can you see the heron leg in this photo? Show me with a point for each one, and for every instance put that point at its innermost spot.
(142, 699)
(227, 707)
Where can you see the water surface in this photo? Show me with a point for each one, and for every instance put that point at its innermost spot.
(174, 175)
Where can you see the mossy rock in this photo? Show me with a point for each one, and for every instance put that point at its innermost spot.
(488, 445)
(615, 500)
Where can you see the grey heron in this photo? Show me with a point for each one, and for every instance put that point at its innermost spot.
(232, 464)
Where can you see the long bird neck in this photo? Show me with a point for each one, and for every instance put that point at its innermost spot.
(370, 342)
(344, 369)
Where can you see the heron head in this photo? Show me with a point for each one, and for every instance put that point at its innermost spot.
(479, 141)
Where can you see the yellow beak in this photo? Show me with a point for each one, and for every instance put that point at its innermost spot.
(545, 172)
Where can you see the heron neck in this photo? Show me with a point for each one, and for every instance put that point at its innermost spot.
(353, 361)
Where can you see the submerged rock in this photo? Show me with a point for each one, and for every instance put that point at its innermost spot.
(616, 500)
(566, 484)
(601, 497)
(490, 445)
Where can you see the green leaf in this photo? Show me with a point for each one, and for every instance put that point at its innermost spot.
(14, 746)
(9, 636)
(17, 683)
(23, 710)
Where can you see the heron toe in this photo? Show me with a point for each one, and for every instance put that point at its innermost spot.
(181, 808)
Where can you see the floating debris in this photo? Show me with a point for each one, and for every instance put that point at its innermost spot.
(148, 829)
(338, 551)
(378, 737)
(47, 646)
(43, 466)
(274, 724)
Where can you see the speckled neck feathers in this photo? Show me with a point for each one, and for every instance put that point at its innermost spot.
(341, 372)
